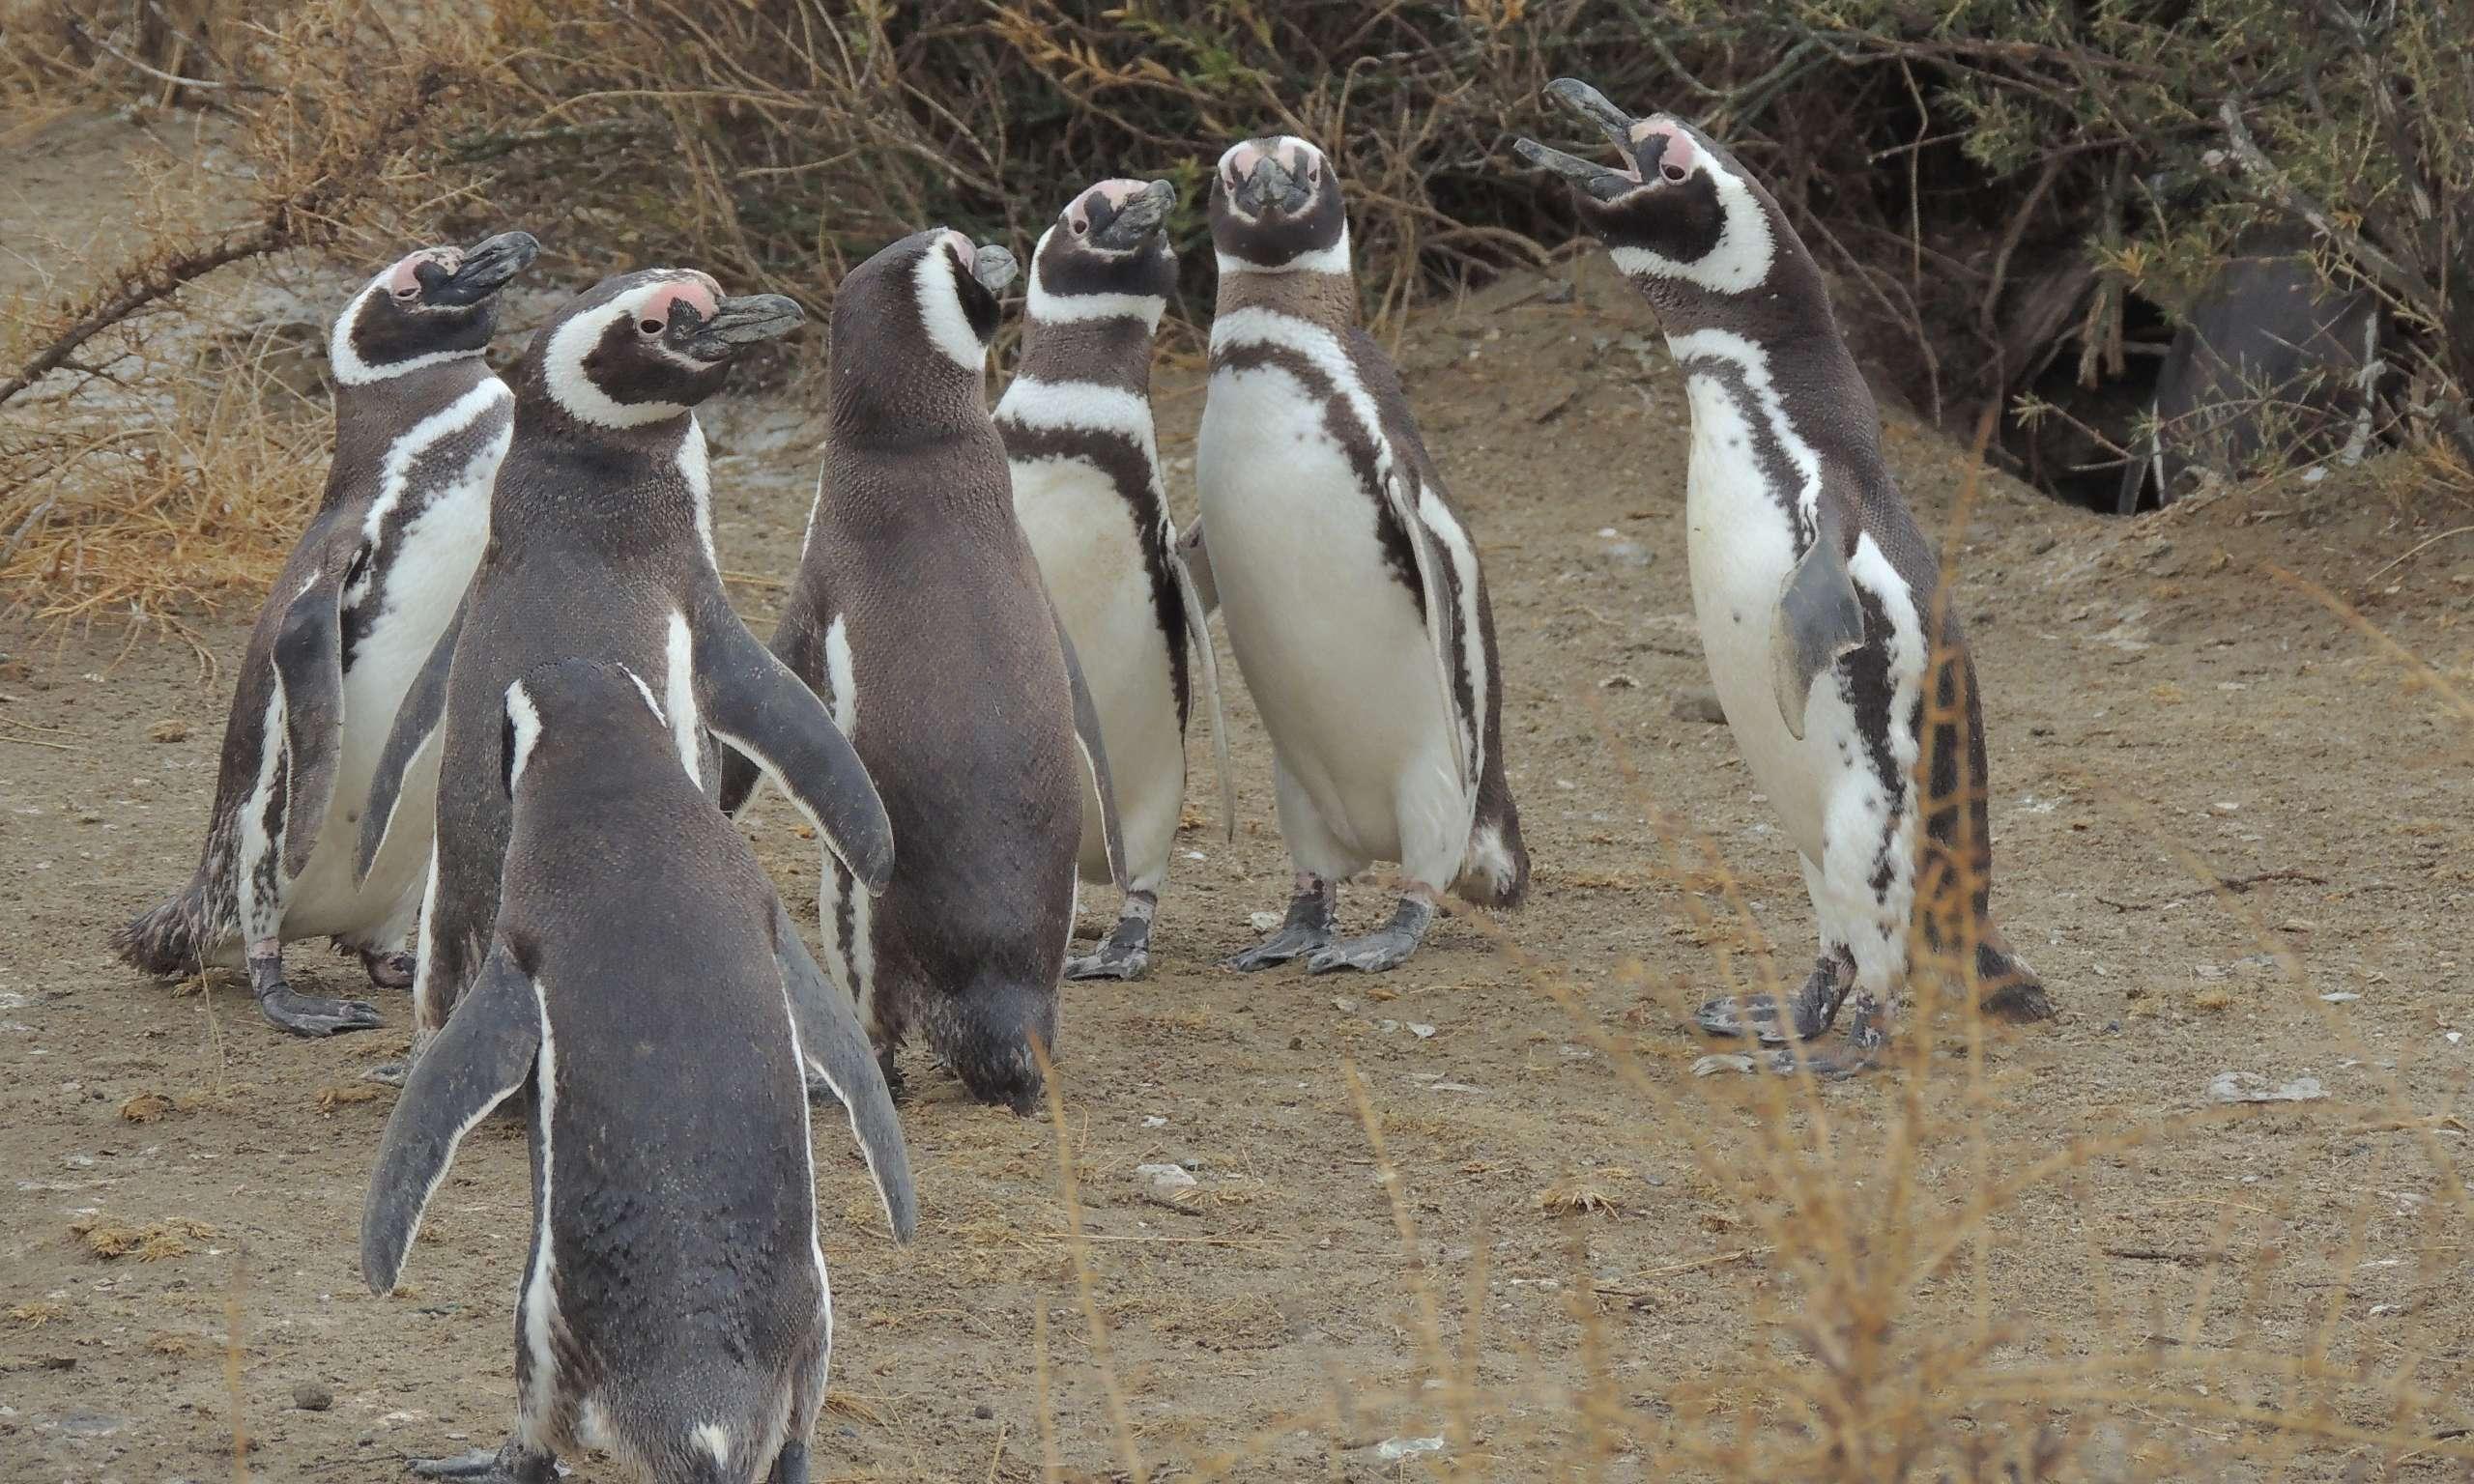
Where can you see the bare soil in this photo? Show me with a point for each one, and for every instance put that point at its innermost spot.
(2158, 702)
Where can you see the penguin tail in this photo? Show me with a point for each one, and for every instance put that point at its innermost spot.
(2005, 985)
(168, 940)
(1495, 873)
(984, 1033)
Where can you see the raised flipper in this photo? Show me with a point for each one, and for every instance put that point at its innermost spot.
(483, 1056)
(1196, 559)
(1198, 622)
(838, 1050)
(1442, 626)
(416, 723)
(1819, 622)
(1095, 760)
(310, 665)
(754, 703)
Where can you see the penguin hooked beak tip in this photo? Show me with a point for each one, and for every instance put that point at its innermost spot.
(483, 270)
(738, 323)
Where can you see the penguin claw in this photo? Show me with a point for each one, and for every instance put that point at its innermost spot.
(1758, 1015)
(310, 1015)
(392, 1074)
(387, 971)
(1828, 1066)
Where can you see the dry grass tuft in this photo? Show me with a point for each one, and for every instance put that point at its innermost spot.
(148, 1244)
(1582, 1195)
(343, 1093)
(34, 1316)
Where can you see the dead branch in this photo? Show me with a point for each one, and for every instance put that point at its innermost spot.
(137, 289)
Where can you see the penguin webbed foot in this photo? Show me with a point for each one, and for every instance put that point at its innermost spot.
(1386, 948)
(1866, 1039)
(1307, 928)
(513, 1463)
(1125, 955)
(1808, 1012)
(791, 1464)
(305, 1015)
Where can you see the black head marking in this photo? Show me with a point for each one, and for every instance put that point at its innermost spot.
(431, 304)
(1275, 205)
(1109, 240)
(644, 347)
(910, 331)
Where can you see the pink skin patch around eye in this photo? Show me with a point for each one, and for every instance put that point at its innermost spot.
(698, 292)
(1240, 160)
(1679, 152)
(961, 246)
(1115, 192)
(401, 278)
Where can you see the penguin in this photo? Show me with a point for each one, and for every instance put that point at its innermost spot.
(1818, 598)
(1077, 424)
(420, 426)
(645, 987)
(919, 616)
(1354, 599)
(601, 546)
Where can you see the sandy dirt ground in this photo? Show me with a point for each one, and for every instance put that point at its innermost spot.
(2158, 702)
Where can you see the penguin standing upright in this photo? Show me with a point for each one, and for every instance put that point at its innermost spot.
(919, 616)
(1816, 593)
(1351, 591)
(1077, 423)
(601, 547)
(420, 425)
(645, 984)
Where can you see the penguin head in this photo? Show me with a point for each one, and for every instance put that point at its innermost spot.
(1276, 208)
(1107, 255)
(923, 311)
(430, 306)
(1678, 216)
(578, 706)
(644, 347)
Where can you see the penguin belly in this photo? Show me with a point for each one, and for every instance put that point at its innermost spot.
(1084, 533)
(1330, 643)
(434, 561)
(1740, 546)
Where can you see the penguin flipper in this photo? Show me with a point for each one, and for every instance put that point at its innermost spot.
(310, 665)
(1095, 758)
(839, 1050)
(1198, 622)
(1441, 626)
(761, 708)
(416, 721)
(1820, 622)
(486, 1052)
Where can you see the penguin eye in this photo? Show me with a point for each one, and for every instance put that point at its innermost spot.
(652, 327)
(1080, 227)
(408, 292)
(1675, 174)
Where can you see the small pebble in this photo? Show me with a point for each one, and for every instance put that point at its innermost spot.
(1696, 703)
(312, 1396)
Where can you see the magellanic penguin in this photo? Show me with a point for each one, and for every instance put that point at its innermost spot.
(1077, 423)
(1350, 586)
(601, 547)
(420, 425)
(919, 616)
(645, 986)
(1818, 597)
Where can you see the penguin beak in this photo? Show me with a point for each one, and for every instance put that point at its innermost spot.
(1271, 187)
(1138, 220)
(995, 268)
(749, 319)
(1600, 182)
(484, 270)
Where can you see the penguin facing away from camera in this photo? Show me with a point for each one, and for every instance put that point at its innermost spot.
(646, 989)
(919, 616)
(1352, 592)
(420, 426)
(601, 548)
(1085, 464)
(1831, 648)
